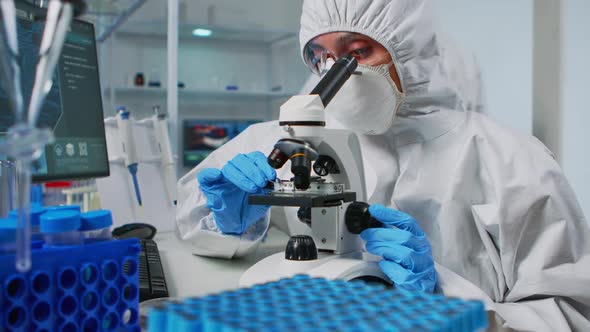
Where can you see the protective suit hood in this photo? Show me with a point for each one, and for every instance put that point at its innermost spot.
(406, 28)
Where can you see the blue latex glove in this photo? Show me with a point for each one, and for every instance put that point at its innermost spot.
(227, 191)
(407, 256)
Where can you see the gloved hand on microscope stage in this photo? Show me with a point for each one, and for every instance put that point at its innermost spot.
(227, 191)
(407, 255)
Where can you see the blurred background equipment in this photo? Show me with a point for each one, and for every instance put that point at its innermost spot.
(201, 137)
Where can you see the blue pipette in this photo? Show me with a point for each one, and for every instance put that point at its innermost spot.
(128, 144)
(133, 171)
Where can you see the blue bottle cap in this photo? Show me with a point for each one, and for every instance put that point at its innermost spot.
(60, 221)
(96, 220)
(63, 208)
(8, 230)
(36, 212)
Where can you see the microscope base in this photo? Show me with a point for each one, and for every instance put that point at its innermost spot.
(351, 266)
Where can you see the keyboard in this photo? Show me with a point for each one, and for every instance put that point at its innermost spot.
(152, 282)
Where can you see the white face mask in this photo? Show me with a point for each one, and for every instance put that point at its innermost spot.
(368, 101)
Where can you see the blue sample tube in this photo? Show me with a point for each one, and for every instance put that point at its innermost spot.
(96, 226)
(63, 208)
(36, 212)
(7, 235)
(61, 228)
(157, 318)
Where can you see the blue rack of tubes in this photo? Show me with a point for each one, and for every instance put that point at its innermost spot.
(87, 287)
(303, 303)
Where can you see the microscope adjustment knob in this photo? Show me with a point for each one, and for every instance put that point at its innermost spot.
(325, 165)
(358, 218)
(301, 248)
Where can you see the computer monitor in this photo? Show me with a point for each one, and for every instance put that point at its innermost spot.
(201, 137)
(73, 108)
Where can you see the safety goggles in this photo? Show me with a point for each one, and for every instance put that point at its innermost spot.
(364, 49)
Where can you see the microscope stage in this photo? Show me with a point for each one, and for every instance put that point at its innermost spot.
(302, 200)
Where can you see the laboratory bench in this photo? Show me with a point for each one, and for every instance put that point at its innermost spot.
(191, 275)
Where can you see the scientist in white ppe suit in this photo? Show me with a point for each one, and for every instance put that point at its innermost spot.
(478, 210)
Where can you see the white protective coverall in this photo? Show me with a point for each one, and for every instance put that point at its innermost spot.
(503, 222)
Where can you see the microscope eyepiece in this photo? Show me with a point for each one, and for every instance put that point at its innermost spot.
(335, 78)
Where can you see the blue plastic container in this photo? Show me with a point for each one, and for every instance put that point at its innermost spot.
(96, 225)
(92, 287)
(61, 228)
(7, 235)
(302, 303)
(36, 212)
(63, 208)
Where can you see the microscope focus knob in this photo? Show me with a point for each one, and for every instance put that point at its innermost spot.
(301, 248)
(325, 165)
(358, 218)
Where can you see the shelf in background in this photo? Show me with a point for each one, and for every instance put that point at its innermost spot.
(147, 91)
(185, 32)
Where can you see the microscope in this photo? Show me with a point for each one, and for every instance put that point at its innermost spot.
(328, 187)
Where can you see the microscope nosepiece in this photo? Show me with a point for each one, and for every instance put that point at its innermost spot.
(276, 159)
(301, 169)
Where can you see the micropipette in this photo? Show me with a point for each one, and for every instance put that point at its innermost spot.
(128, 142)
(167, 159)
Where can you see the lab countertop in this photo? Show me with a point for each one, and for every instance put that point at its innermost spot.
(191, 275)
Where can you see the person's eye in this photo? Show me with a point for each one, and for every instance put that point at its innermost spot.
(360, 52)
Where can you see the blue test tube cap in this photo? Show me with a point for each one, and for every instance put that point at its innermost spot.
(63, 208)
(36, 212)
(7, 230)
(60, 221)
(98, 219)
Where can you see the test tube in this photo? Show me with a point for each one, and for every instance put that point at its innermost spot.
(96, 226)
(7, 187)
(61, 228)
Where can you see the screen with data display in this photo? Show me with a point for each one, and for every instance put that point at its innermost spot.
(73, 107)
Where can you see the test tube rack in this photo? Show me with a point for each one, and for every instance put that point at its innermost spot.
(91, 287)
(303, 303)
